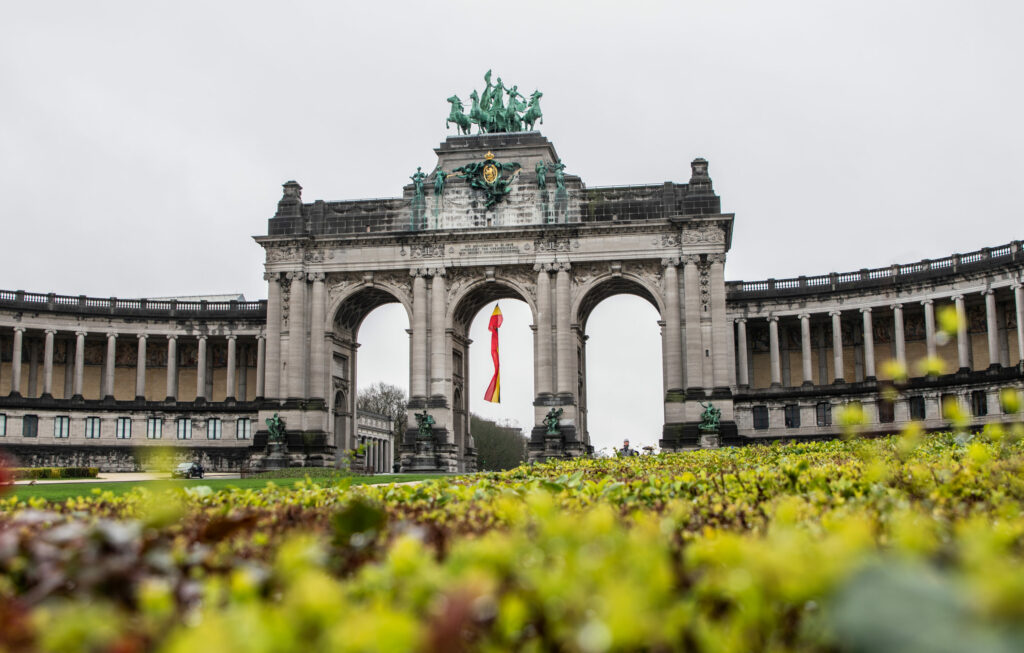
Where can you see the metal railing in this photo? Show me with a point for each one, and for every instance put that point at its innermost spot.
(892, 274)
(20, 299)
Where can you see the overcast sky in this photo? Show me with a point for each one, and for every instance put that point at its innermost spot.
(141, 144)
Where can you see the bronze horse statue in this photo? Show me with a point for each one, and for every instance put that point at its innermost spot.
(457, 116)
(533, 111)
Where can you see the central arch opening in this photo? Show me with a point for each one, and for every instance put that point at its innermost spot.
(501, 423)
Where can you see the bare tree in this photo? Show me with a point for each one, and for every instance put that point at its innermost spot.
(385, 399)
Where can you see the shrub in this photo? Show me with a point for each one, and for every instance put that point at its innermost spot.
(23, 473)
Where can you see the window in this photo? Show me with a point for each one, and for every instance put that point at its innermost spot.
(61, 427)
(154, 428)
(760, 417)
(184, 425)
(92, 428)
(950, 403)
(979, 403)
(792, 416)
(3, 425)
(29, 426)
(823, 413)
(917, 408)
(243, 429)
(124, 428)
(213, 428)
(886, 411)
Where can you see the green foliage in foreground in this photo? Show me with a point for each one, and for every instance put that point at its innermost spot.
(61, 492)
(898, 544)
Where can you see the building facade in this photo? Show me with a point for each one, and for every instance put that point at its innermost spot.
(102, 381)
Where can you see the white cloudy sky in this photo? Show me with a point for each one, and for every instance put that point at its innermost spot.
(142, 143)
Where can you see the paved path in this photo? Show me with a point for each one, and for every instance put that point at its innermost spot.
(120, 477)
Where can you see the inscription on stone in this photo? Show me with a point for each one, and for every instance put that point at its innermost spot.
(493, 248)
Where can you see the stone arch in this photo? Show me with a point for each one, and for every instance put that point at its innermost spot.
(465, 303)
(349, 308)
(607, 285)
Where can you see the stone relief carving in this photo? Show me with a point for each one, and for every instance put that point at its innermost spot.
(282, 254)
(556, 244)
(426, 250)
(667, 240)
(286, 293)
(703, 234)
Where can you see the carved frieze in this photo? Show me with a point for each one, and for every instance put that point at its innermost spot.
(556, 244)
(667, 240)
(703, 234)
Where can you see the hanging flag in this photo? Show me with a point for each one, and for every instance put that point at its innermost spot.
(493, 393)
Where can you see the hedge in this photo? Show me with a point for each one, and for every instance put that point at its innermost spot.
(21, 473)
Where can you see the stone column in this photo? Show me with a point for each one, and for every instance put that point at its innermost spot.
(719, 327)
(317, 344)
(19, 335)
(201, 369)
(962, 345)
(420, 314)
(1018, 297)
(869, 345)
(172, 367)
(566, 351)
(108, 390)
(48, 363)
(270, 379)
(297, 336)
(837, 346)
(691, 309)
(229, 382)
(33, 368)
(805, 348)
(242, 385)
(992, 326)
(438, 337)
(899, 334)
(140, 369)
(929, 326)
(545, 375)
(76, 390)
(672, 354)
(741, 351)
(773, 346)
(261, 365)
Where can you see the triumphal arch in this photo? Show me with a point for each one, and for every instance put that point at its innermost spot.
(498, 215)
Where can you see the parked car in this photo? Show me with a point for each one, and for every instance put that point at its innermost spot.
(187, 470)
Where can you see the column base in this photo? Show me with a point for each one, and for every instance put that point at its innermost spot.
(139, 398)
(14, 394)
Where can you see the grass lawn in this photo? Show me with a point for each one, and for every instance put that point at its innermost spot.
(62, 491)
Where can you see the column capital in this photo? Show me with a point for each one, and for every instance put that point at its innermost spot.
(317, 277)
(1016, 285)
(957, 298)
(718, 257)
(865, 309)
(261, 336)
(773, 318)
(438, 271)
(988, 291)
(19, 329)
(835, 312)
(172, 336)
(804, 316)
(543, 267)
(141, 336)
(670, 262)
(740, 320)
(202, 336)
(111, 334)
(927, 302)
(232, 336)
(296, 275)
(419, 272)
(691, 259)
(563, 266)
(81, 334)
(51, 332)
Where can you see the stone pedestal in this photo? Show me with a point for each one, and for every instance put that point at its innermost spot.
(275, 457)
(427, 455)
(710, 439)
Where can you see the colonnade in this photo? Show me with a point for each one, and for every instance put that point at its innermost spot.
(235, 383)
(378, 453)
(867, 313)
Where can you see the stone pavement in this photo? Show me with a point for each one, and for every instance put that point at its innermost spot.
(121, 477)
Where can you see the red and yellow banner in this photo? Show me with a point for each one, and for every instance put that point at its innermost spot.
(493, 393)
